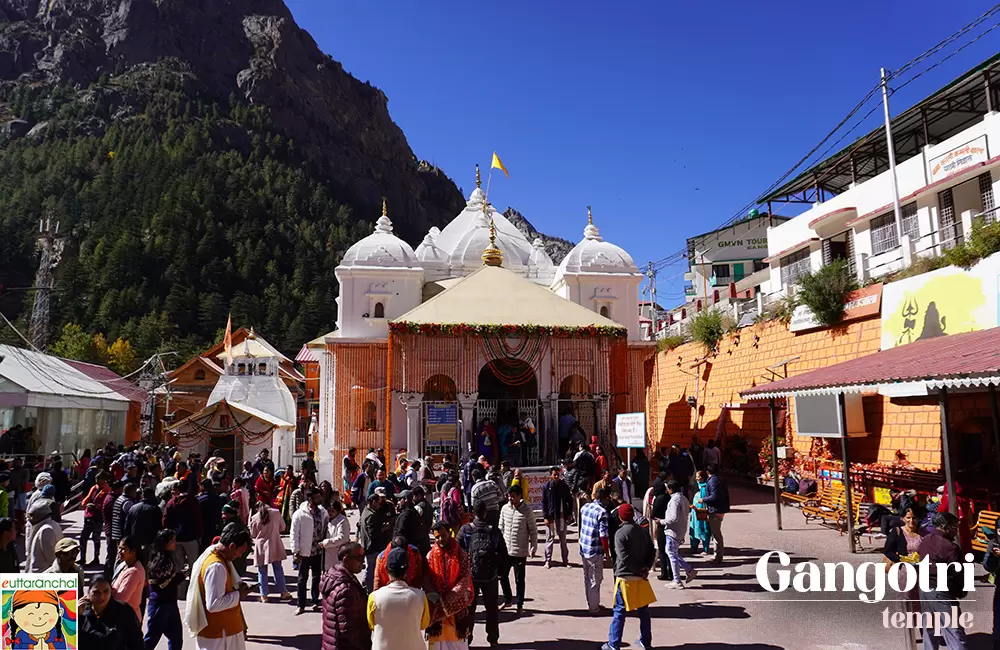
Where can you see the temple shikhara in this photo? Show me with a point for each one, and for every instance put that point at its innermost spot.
(475, 329)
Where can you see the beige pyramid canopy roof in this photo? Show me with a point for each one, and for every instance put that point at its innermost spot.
(495, 296)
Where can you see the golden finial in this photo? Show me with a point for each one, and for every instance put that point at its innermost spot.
(385, 209)
(479, 180)
(590, 217)
(492, 256)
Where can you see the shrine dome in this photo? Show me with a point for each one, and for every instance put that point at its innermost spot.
(594, 255)
(429, 254)
(381, 249)
(466, 231)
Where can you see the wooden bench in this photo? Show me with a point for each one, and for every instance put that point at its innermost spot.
(801, 499)
(832, 508)
(830, 499)
(987, 519)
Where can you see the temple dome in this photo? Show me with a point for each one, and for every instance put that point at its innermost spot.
(468, 251)
(539, 257)
(594, 255)
(429, 254)
(381, 249)
(462, 229)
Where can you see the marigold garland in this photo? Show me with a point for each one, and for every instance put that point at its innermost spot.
(468, 329)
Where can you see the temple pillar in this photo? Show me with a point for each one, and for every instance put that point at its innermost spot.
(412, 402)
(467, 406)
(550, 413)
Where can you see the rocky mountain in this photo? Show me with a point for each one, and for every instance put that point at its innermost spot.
(556, 247)
(203, 158)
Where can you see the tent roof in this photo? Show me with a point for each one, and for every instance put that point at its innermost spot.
(493, 295)
(242, 408)
(956, 360)
(42, 373)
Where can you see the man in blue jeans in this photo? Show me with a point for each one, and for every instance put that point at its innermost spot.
(633, 559)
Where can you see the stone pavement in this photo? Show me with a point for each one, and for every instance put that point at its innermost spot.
(724, 608)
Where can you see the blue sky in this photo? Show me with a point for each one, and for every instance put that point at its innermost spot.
(666, 117)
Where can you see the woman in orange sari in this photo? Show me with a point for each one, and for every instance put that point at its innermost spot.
(283, 500)
(448, 565)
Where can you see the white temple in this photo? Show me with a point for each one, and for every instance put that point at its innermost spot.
(384, 280)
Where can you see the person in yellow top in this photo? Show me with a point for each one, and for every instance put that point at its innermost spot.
(634, 556)
(214, 616)
(398, 613)
(520, 481)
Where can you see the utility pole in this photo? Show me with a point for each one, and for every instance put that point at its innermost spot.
(151, 379)
(653, 309)
(903, 238)
(50, 248)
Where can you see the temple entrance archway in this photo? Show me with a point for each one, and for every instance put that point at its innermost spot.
(508, 396)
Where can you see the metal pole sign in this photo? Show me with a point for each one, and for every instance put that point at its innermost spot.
(630, 430)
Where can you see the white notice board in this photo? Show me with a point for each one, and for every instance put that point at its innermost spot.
(630, 430)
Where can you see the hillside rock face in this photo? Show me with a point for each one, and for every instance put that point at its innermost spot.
(249, 50)
(556, 247)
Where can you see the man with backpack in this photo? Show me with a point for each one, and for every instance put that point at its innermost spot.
(488, 493)
(487, 557)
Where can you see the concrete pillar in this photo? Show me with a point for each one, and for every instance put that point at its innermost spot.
(467, 406)
(967, 224)
(412, 402)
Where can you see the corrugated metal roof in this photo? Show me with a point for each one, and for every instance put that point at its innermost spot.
(42, 373)
(109, 378)
(971, 358)
(306, 355)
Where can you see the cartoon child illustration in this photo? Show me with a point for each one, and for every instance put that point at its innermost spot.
(35, 621)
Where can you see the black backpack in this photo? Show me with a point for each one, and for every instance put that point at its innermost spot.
(482, 554)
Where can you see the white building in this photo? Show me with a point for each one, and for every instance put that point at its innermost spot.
(726, 268)
(250, 408)
(444, 281)
(947, 168)
(66, 410)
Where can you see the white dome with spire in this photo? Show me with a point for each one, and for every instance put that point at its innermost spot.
(510, 240)
(381, 249)
(594, 255)
(539, 256)
(468, 251)
(429, 254)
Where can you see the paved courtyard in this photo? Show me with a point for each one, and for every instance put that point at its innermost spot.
(723, 608)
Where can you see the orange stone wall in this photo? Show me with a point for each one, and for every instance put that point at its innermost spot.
(911, 425)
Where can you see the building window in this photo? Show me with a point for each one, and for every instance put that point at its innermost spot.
(604, 311)
(379, 311)
(721, 272)
(199, 375)
(883, 231)
(794, 266)
(759, 265)
(909, 216)
(986, 192)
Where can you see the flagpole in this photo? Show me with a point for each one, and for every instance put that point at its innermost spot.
(488, 179)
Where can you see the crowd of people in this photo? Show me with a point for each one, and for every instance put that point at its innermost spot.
(432, 544)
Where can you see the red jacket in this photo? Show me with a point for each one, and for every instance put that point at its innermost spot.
(345, 617)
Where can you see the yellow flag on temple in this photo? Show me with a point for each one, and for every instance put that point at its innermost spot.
(496, 164)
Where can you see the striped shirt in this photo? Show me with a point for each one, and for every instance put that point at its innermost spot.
(487, 492)
(593, 526)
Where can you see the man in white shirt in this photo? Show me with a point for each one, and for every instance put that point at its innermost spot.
(214, 616)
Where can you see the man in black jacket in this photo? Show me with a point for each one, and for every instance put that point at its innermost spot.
(374, 533)
(633, 560)
(487, 557)
(716, 499)
(557, 510)
(410, 524)
(144, 520)
(210, 505)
